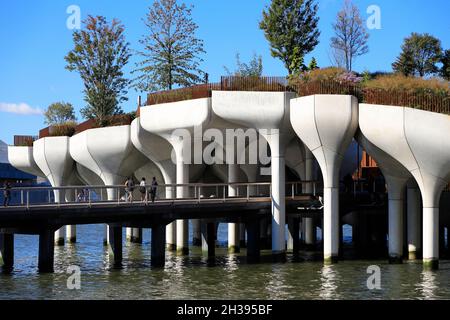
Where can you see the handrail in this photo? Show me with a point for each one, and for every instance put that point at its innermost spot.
(197, 184)
(94, 194)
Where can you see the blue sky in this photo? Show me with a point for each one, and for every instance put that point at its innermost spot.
(34, 40)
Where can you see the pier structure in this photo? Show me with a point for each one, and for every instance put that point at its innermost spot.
(163, 140)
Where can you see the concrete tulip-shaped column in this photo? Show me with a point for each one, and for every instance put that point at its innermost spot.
(179, 132)
(295, 159)
(300, 158)
(233, 228)
(109, 153)
(53, 158)
(396, 177)
(413, 218)
(326, 125)
(416, 139)
(268, 112)
(158, 150)
(22, 159)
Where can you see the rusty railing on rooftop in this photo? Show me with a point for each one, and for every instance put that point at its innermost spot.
(24, 141)
(424, 99)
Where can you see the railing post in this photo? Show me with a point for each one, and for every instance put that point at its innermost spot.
(48, 192)
(89, 194)
(248, 191)
(224, 193)
(21, 197)
(314, 189)
(293, 190)
(28, 199)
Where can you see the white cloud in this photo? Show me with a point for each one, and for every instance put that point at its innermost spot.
(20, 108)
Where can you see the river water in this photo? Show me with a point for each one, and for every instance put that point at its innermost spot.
(193, 277)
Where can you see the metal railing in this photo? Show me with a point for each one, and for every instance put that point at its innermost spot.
(117, 194)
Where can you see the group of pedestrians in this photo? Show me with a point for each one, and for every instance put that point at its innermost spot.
(143, 189)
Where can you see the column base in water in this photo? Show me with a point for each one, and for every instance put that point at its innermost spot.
(233, 238)
(327, 260)
(331, 225)
(395, 260)
(7, 251)
(414, 255)
(158, 248)
(71, 234)
(60, 236)
(431, 264)
(136, 235)
(430, 238)
(182, 237)
(208, 231)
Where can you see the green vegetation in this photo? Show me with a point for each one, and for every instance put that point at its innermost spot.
(65, 129)
(171, 54)
(420, 55)
(59, 113)
(291, 27)
(254, 68)
(99, 55)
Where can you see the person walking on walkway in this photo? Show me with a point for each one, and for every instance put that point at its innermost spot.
(6, 194)
(129, 188)
(143, 190)
(153, 189)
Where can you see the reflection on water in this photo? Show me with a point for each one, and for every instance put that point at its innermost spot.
(329, 282)
(428, 285)
(196, 277)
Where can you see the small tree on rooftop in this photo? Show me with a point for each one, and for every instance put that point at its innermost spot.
(171, 54)
(59, 113)
(313, 64)
(350, 40)
(254, 68)
(99, 55)
(291, 28)
(420, 55)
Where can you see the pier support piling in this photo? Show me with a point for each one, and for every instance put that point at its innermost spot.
(46, 251)
(136, 235)
(253, 242)
(158, 253)
(242, 242)
(413, 221)
(60, 236)
(171, 236)
(196, 233)
(209, 238)
(7, 250)
(294, 235)
(71, 234)
(115, 243)
(182, 228)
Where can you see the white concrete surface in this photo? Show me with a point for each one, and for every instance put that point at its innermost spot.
(416, 139)
(326, 124)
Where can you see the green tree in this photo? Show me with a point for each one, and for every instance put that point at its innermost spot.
(172, 51)
(351, 36)
(59, 113)
(99, 55)
(445, 70)
(313, 64)
(254, 68)
(290, 26)
(420, 55)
